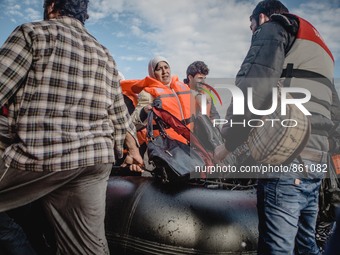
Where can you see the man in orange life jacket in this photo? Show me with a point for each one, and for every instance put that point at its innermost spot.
(160, 84)
(288, 49)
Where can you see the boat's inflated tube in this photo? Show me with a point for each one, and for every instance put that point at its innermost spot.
(146, 217)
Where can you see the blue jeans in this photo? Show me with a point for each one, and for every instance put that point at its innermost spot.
(12, 238)
(287, 212)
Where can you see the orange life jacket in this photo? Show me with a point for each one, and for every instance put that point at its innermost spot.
(131, 89)
(175, 99)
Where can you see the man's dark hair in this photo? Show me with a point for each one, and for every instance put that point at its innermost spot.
(268, 7)
(195, 68)
(72, 8)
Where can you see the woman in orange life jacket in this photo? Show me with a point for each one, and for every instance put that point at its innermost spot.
(160, 84)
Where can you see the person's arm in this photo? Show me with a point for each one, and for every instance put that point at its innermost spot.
(125, 133)
(220, 153)
(133, 159)
(213, 112)
(260, 70)
(124, 129)
(15, 61)
(140, 114)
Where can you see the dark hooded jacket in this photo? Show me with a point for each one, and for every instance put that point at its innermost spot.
(274, 44)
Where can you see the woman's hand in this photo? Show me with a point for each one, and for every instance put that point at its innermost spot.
(147, 108)
(220, 153)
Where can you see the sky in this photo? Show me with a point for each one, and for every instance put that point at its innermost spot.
(214, 31)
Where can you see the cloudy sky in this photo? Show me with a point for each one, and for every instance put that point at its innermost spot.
(215, 31)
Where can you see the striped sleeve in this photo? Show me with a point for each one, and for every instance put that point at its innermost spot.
(15, 61)
(122, 122)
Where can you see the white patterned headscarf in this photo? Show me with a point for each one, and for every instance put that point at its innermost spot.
(153, 63)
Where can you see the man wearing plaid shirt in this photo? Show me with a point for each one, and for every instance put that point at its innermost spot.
(67, 120)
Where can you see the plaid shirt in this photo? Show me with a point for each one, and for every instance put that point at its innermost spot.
(66, 109)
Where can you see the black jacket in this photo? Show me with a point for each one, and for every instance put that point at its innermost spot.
(261, 70)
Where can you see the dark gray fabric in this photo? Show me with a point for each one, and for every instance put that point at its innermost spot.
(264, 59)
(70, 197)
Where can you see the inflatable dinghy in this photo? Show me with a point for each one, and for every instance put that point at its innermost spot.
(146, 217)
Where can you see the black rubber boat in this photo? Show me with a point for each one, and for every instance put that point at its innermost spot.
(147, 217)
